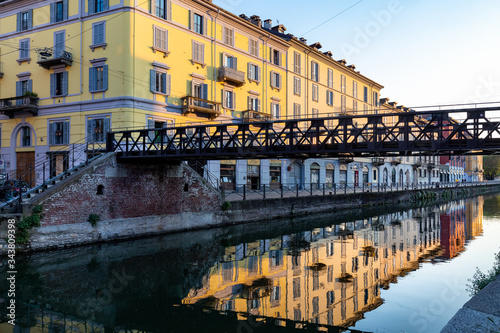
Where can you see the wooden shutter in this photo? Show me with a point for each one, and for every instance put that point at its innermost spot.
(64, 83)
(168, 8)
(105, 77)
(91, 9)
(107, 126)
(65, 9)
(105, 5)
(205, 91)
(19, 88)
(52, 13)
(169, 84)
(90, 130)
(51, 134)
(258, 70)
(92, 79)
(190, 20)
(30, 18)
(164, 83)
(52, 84)
(30, 85)
(249, 71)
(152, 80)
(19, 21)
(66, 132)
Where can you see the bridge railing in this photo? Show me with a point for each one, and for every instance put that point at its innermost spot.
(252, 192)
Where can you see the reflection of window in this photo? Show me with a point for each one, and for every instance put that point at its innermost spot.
(296, 287)
(227, 271)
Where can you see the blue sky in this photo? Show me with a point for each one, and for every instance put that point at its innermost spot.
(424, 52)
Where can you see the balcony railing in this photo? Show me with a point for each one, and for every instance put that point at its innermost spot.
(346, 159)
(431, 165)
(396, 161)
(11, 106)
(231, 75)
(251, 116)
(378, 161)
(417, 164)
(1, 69)
(192, 104)
(51, 56)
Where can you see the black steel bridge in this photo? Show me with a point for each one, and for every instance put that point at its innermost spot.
(430, 132)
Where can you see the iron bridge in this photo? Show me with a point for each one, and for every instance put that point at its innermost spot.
(369, 135)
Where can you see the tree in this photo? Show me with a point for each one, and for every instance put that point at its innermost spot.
(491, 166)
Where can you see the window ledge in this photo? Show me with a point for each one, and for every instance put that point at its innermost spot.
(160, 93)
(165, 52)
(20, 61)
(254, 81)
(58, 96)
(196, 62)
(98, 91)
(96, 46)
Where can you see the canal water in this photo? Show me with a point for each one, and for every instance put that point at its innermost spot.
(384, 271)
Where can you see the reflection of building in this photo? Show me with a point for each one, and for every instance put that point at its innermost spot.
(474, 218)
(329, 275)
(453, 222)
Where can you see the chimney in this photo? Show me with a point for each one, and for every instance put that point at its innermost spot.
(303, 40)
(316, 46)
(279, 28)
(352, 67)
(243, 16)
(268, 24)
(342, 61)
(255, 19)
(393, 104)
(384, 100)
(328, 53)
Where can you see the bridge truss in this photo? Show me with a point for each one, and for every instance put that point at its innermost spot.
(368, 135)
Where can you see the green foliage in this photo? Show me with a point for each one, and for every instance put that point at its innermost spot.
(491, 166)
(93, 219)
(226, 206)
(28, 222)
(480, 280)
(30, 94)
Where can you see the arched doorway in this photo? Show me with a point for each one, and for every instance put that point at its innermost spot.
(365, 175)
(385, 176)
(393, 176)
(24, 142)
(314, 168)
(343, 174)
(408, 181)
(401, 178)
(330, 175)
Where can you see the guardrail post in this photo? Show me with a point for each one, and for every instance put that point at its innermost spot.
(244, 192)
(378, 187)
(345, 188)
(324, 188)
(264, 194)
(311, 189)
(363, 187)
(44, 172)
(281, 189)
(334, 188)
(297, 189)
(354, 187)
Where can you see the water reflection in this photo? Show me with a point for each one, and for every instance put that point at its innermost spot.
(322, 277)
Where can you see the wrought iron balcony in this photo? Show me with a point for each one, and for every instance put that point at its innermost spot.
(378, 161)
(431, 165)
(51, 56)
(192, 104)
(11, 106)
(417, 164)
(346, 159)
(231, 75)
(251, 116)
(1, 69)
(396, 161)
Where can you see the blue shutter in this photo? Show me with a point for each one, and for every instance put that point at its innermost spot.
(30, 85)
(66, 132)
(52, 12)
(190, 19)
(65, 83)
(106, 127)
(105, 5)
(95, 34)
(19, 21)
(105, 77)
(90, 127)
(92, 78)
(19, 88)
(152, 80)
(51, 134)
(164, 83)
(30, 18)
(169, 85)
(91, 6)
(235, 63)
(52, 84)
(65, 10)
(205, 91)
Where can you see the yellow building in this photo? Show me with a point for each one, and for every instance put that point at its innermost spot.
(474, 168)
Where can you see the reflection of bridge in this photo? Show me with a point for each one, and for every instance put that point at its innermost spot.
(410, 133)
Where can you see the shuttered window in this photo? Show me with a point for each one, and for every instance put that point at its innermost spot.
(59, 133)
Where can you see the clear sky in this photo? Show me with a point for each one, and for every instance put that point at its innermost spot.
(424, 52)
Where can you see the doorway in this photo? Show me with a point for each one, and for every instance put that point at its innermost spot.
(26, 166)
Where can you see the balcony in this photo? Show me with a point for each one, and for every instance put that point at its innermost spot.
(11, 106)
(396, 161)
(346, 159)
(378, 161)
(431, 165)
(1, 70)
(192, 104)
(231, 75)
(252, 116)
(49, 56)
(417, 164)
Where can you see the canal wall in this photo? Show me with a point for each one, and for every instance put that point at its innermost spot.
(108, 201)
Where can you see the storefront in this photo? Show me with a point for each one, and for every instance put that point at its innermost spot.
(275, 173)
(228, 175)
(314, 174)
(365, 175)
(330, 175)
(253, 174)
(343, 174)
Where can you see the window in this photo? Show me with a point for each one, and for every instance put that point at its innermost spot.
(160, 39)
(275, 80)
(329, 98)
(276, 57)
(198, 24)
(59, 133)
(23, 86)
(59, 84)
(58, 11)
(162, 9)
(375, 98)
(365, 94)
(275, 109)
(198, 53)
(230, 61)
(254, 47)
(59, 44)
(160, 82)
(355, 105)
(97, 6)
(296, 86)
(97, 129)
(354, 89)
(254, 73)
(315, 92)
(98, 78)
(343, 103)
(228, 36)
(24, 49)
(98, 33)
(253, 103)
(314, 71)
(296, 111)
(229, 99)
(25, 20)
(296, 62)
(315, 113)
(330, 78)
(25, 136)
(343, 84)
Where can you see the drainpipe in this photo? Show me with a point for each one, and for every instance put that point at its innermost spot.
(213, 96)
(307, 52)
(264, 68)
